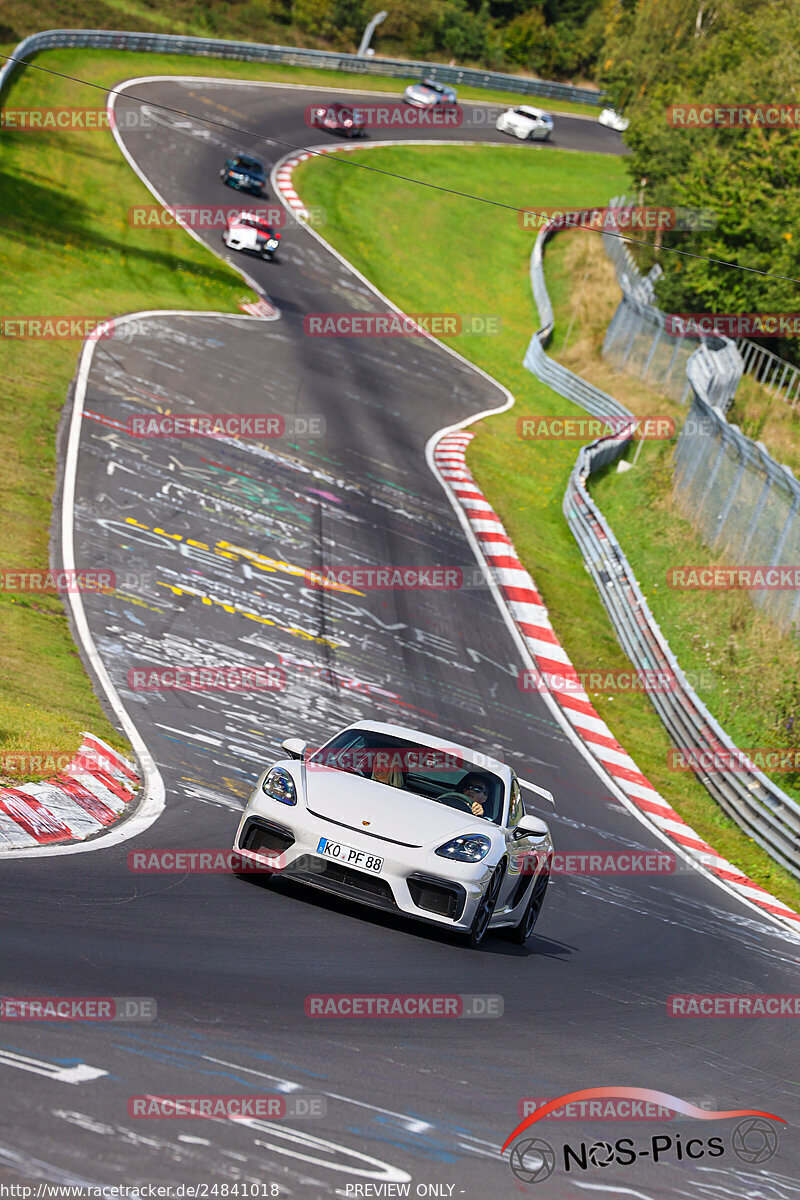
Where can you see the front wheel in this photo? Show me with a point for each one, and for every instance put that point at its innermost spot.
(521, 932)
(483, 913)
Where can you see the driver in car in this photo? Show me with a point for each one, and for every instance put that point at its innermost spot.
(475, 789)
(383, 773)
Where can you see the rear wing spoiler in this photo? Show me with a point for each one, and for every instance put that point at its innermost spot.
(543, 792)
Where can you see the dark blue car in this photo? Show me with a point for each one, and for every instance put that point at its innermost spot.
(244, 173)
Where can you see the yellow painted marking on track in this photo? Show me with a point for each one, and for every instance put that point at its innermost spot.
(262, 561)
(252, 616)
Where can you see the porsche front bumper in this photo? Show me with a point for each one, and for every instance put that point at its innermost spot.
(285, 838)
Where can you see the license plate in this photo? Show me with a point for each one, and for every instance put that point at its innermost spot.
(349, 856)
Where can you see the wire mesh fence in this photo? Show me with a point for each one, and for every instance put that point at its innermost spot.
(745, 505)
(637, 341)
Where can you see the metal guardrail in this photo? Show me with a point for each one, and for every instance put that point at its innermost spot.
(757, 805)
(395, 68)
(773, 373)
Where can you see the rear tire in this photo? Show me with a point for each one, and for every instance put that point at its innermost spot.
(520, 933)
(485, 909)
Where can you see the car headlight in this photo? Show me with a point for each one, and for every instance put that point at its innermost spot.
(280, 786)
(272, 243)
(469, 847)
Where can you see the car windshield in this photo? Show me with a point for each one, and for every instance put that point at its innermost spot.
(254, 223)
(434, 87)
(444, 776)
(249, 164)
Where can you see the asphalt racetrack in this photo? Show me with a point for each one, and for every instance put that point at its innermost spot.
(214, 536)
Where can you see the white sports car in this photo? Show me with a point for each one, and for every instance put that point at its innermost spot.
(402, 821)
(526, 123)
(613, 120)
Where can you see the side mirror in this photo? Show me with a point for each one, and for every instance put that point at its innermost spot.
(295, 747)
(531, 826)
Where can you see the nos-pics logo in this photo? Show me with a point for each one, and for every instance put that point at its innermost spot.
(754, 1140)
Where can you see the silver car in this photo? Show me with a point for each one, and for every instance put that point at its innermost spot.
(428, 94)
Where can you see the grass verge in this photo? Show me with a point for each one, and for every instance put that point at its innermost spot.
(67, 250)
(486, 255)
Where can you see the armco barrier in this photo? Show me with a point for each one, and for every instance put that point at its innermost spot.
(394, 68)
(758, 806)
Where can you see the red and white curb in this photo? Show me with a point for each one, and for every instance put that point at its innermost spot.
(91, 792)
(530, 615)
(282, 178)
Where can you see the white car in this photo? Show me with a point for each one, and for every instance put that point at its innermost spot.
(405, 822)
(611, 118)
(248, 232)
(526, 123)
(428, 94)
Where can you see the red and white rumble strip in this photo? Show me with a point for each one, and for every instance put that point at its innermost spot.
(92, 791)
(529, 612)
(283, 177)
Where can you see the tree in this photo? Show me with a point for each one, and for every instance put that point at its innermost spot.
(667, 53)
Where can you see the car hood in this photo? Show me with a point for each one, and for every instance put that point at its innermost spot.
(391, 813)
(427, 95)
